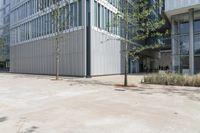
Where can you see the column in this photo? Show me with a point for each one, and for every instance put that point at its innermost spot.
(173, 46)
(191, 41)
(84, 24)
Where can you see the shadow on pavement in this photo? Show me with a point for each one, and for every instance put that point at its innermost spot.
(90, 82)
(2, 119)
(30, 130)
(193, 93)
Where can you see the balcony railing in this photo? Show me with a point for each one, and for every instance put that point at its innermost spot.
(177, 4)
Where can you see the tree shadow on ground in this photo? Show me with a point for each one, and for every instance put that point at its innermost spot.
(2, 119)
(192, 93)
(90, 82)
(30, 130)
(97, 82)
(41, 76)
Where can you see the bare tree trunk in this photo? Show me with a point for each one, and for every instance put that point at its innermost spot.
(126, 47)
(57, 59)
(126, 62)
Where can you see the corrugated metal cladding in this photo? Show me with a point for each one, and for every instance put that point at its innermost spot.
(39, 56)
(106, 57)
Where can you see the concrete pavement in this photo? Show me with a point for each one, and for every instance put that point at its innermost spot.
(38, 104)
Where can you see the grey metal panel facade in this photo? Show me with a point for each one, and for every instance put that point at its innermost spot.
(38, 56)
(105, 54)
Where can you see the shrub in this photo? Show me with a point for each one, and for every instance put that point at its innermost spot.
(172, 79)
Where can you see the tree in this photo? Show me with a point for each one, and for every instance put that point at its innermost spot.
(139, 23)
(137, 52)
(60, 19)
(149, 21)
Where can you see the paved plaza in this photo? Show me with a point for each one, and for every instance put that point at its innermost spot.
(39, 104)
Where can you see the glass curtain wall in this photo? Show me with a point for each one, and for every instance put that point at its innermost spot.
(43, 24)
(197, 42)
(181, 39)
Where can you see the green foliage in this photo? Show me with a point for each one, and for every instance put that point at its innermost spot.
(138, 50)
(142, 20)
(139, 20)
(147, 22)
(173, 79)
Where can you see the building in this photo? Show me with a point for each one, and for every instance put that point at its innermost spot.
(184, 16)
(89, 47)
(4, 33)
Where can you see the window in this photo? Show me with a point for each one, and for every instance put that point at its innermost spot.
(107, 19)
(63, 18)
(99, 16)
(39, 26)
(51, 23)
(102, 17)
(71, 14)
(36, 22)
(197, 22)
(75, 14)
(95, 14)
(48, 23)
(32, 29)
(44, 25)
(79, 13)
(67, 17)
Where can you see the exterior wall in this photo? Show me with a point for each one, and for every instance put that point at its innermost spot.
(36, 52)
(178, 4)
(105, 54)
(39, 56)
(173, 7)
(33, 41)
(185, 21)
(106, 47)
